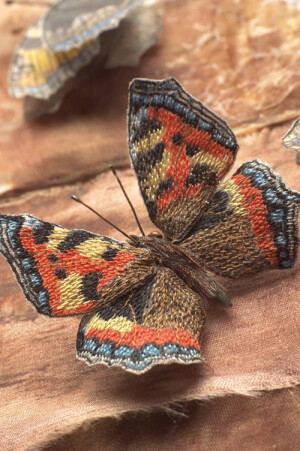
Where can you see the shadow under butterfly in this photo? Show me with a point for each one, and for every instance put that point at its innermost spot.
(73, 38)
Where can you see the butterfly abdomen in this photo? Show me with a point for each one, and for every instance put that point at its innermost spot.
(195, 275)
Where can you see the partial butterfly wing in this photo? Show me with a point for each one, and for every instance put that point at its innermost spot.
(250, 224)
(180, 151)
(71, 24)
(70, 272)
(125, 45)
(291, 139)
(39, 72)
(137, 314)
(159, 323)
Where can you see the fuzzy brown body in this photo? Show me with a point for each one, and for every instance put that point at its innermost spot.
(194, 275)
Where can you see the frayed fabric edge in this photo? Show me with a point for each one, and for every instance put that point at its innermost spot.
(174, 408)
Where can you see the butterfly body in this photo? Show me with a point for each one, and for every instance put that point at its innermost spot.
(141, 300)
(189, 270)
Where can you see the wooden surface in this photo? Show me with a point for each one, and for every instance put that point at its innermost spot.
(240, 59)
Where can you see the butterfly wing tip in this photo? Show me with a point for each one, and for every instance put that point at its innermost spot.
(150, 87)
(273, 179)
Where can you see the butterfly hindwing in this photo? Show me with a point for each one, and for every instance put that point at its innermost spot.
(68, 272)
(250, 224)
(159, 323)
(180, 151)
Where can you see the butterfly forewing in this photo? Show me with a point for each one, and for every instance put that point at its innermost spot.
(69, 272)
(180, 151)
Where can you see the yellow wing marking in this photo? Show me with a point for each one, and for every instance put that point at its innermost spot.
(70, 292)
(149, 141)
(211, 161)
(118, 323)
(156, 175)
(236, 199)
(56, 237)
(94, 247)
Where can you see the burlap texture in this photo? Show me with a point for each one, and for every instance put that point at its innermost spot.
(233, 423)
(239, 58)
(248, 348)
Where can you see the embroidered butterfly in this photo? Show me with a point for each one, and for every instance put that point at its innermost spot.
(291, 139)
(142, 299)
(56, 51)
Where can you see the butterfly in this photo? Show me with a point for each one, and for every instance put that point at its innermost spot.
(56, 52)
(291, 139)
(142, 300)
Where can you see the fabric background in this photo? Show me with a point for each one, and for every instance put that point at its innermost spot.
(239, 58)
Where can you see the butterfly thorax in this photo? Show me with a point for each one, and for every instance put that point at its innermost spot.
(194, 274)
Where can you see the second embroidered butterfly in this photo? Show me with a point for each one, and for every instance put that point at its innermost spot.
(142, 300)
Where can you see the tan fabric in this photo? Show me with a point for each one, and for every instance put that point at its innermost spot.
(240, 58)
(232, 423)
(251, 347)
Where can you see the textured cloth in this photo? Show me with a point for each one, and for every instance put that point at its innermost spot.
(230, 55)
(231, 423)
(46, 391)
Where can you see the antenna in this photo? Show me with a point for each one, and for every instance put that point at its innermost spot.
(128, 200)
(100, 216)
